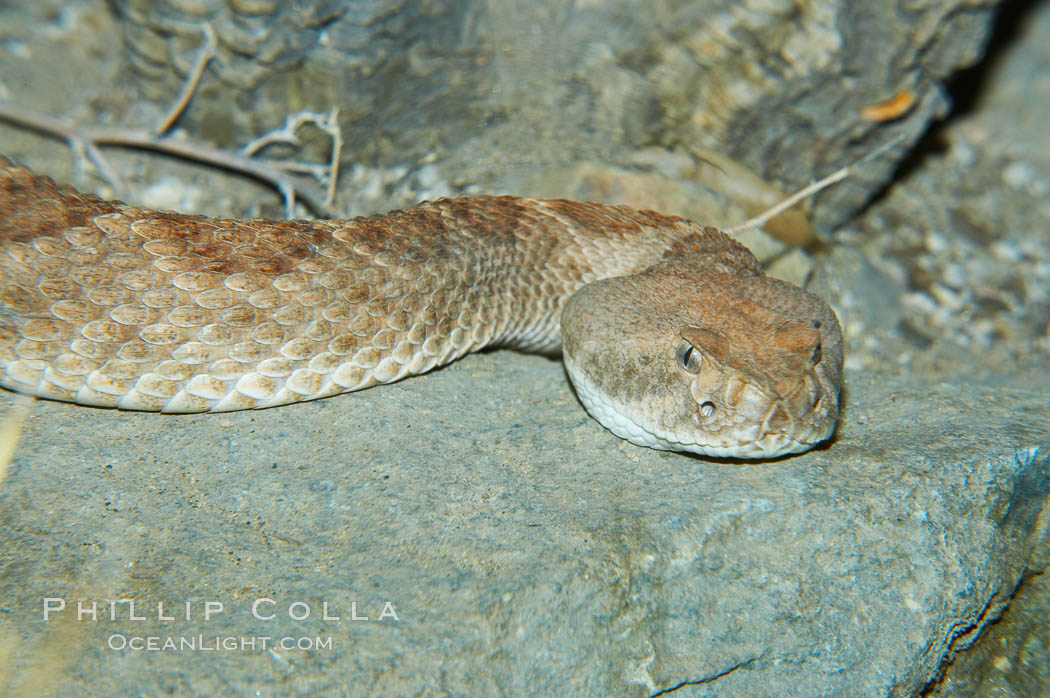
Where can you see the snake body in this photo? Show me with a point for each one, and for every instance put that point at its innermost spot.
(671, 333)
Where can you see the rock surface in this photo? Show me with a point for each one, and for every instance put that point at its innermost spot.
(522, 546)
(488, 86)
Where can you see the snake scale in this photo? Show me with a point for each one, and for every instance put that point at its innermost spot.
(671, 334)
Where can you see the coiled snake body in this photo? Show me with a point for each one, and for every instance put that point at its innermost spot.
(671, 333)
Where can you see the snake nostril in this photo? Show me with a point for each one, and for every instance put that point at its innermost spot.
(707, 409)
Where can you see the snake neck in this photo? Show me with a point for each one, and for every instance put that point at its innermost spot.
(548, 249)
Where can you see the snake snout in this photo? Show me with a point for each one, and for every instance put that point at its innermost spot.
(800, 395)
(745, 398)
(769, 415)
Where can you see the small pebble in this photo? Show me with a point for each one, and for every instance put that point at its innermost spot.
(171, 194)
(1020, 175)
(919, 302)
(428, 176)
(946, 297)
(936, 243)
(962, 152)
(1006, 251)
(955, 275)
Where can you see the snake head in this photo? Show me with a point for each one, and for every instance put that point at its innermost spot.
(725, 363)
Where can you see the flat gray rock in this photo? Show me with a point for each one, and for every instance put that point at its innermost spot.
(523, 548)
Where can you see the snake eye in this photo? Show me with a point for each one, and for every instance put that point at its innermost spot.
(689, 358)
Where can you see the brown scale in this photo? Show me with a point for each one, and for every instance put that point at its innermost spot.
(106, 304)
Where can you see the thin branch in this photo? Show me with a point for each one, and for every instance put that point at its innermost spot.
(91, 151)
(285, 134)
(93, 136)
(316, 170)
(836, 176)
(770, 213)
(189, 88)
(289, 133)
(333, 130)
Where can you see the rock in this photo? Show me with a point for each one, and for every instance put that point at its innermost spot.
(866, 301)
(494, 85)
(523, 548)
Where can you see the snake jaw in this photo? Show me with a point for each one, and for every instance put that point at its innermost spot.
(749, 422)
(732, 431)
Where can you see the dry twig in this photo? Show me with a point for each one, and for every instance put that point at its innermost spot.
(836, 176)
(86, 140)
(189, 88)
(289, 134)
(90, 137)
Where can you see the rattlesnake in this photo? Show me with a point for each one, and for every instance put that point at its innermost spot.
(671, 334)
